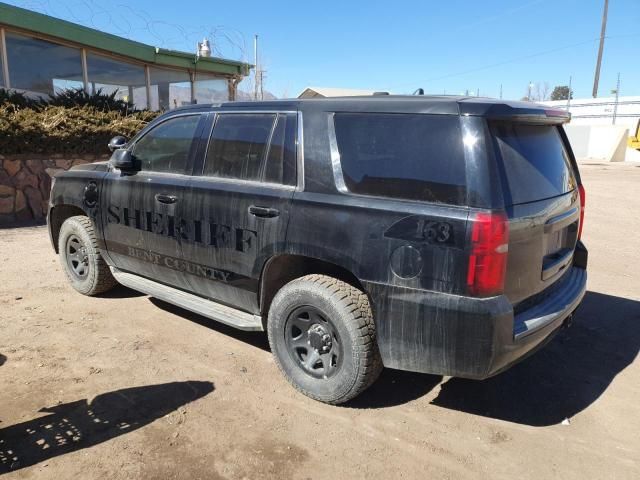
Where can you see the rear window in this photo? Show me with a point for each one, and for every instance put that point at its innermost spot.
(533, 162)
(405, 156)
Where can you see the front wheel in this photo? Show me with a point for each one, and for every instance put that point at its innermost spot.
(322, 335)
(81, 259)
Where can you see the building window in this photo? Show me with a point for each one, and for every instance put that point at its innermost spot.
(2, 81)
(127, 80)
(169, 88)
(211, 89)
(42, 67)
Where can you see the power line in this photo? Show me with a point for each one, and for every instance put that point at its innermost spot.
(521, 58)
(226, 42)
(512, 60)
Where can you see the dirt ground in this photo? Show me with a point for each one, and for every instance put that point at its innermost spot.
(125, 386)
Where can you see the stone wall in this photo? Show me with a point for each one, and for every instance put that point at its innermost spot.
(25, 183)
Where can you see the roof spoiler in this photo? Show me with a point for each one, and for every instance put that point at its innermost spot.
(518, 112)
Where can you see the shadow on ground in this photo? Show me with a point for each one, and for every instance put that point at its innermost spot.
(558, 382)
(82, 424)
(2, 359)
(23, 224)
(120, 291)
(395, 387)
(255, 339)
(565, 377)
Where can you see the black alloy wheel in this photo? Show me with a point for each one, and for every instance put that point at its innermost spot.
(313, 342)
(77, 257)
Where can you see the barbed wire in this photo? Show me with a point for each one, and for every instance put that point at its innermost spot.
(133, 23)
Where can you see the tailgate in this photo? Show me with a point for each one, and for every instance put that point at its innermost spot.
(539, 182)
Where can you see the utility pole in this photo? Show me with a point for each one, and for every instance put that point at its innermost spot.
(256, 69)
(603, 30)
(261, 84)
(529, 93)
(500, 91)
(615, 105)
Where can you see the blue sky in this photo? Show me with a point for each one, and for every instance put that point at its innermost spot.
(443, 46)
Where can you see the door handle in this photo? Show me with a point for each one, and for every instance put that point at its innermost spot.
(264, 212)
(168, 199)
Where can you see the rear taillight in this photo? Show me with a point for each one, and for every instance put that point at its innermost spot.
(488, 257)
(582, 204)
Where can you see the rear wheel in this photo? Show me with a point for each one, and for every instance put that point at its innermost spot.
(81, 259)
(322, 334)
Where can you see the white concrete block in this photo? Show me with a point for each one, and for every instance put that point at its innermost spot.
(606, 143)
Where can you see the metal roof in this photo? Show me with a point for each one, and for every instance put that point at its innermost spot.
(56, 28)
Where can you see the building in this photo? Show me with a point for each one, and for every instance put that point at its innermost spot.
(321, 92)
(41, 55)
(601, 111)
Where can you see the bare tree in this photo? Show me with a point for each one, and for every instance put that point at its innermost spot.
(541, 92)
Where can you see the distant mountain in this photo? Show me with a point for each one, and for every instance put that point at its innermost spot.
(248, 96)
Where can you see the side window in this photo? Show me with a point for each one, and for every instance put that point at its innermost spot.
(166, 147)
(281, 161)
(406, 156)
(238, 146)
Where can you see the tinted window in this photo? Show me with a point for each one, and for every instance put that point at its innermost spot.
(408, 156)
(169, 88)
(125, 80)
(41, 66)
(238, 146)
(281, 160)
(166, 147)
(210, 88)
(2, 80)
(534, 162)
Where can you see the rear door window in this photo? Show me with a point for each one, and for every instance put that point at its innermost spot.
(533, 162)
(404, 156)
(238, 146)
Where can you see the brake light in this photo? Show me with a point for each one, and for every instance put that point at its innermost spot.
(488, 257)
(582, 204)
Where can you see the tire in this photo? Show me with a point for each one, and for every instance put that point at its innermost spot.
(81, 259)
(321, 314)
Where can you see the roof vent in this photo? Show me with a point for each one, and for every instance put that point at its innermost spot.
(376, 94)
(204, 48)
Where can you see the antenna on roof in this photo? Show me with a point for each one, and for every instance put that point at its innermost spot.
(419, 91)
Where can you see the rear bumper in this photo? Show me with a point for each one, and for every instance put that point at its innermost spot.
(467, 337)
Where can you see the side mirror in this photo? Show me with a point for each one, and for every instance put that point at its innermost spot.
(117, 142)
(122, 159)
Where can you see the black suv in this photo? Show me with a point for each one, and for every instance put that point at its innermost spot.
(431, 234)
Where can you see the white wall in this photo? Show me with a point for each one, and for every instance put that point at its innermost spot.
(599, 111)
(605, 143)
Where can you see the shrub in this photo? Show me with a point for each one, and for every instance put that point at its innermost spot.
(65, 130)
(65, 124)
(17, 99)
(104, 102)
